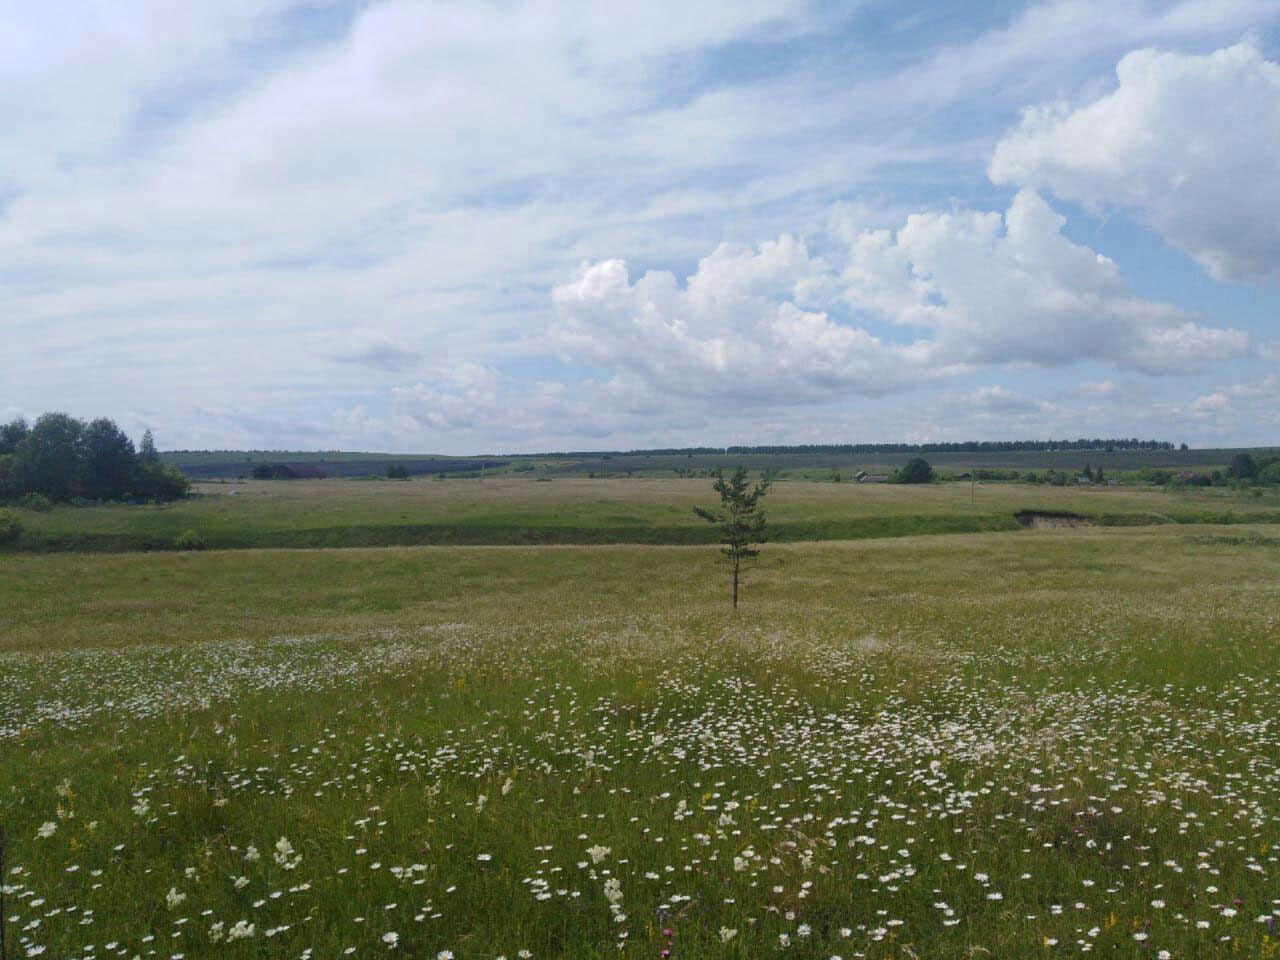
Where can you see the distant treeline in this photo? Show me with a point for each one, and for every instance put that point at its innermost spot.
(966, 446)
(61, 458)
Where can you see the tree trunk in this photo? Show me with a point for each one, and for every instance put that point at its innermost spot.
(735, 583)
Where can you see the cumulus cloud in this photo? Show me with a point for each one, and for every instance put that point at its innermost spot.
(996, 290)
(1222, 411)
(736, 329)
(458, 398)
(966, 288)
(1190, 143)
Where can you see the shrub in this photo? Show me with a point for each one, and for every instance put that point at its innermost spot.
(916, 470)
(397, 471)
(1243, 467)
(189, 540)
(10, 526)
(37, 502)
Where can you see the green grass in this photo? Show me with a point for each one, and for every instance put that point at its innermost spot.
(467, 746)
(793, 464)
(342, 513)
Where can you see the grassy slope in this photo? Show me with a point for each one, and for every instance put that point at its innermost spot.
(1052, 716)
(334, 513)
(796, 465)
(49, 601)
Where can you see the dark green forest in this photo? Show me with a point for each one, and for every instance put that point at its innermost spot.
(61, 459)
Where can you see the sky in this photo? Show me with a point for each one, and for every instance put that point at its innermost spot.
(458, 227)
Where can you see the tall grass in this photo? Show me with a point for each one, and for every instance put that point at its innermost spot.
(342, 513)
(995, 745)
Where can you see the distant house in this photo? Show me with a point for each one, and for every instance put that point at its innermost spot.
(863, 477)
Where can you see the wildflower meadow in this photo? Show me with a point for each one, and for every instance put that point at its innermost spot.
(1033, 744)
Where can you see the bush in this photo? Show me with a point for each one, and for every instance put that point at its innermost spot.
(1243, 467)
(397, 471)
(916, 470)
(189, 540)
(10, 526)
(37, 502)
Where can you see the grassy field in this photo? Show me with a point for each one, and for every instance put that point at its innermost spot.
(513, 510)
(996, 745)
(209, 464)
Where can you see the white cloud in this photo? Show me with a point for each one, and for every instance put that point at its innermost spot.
(1000, 400)
(975, 289)
(998, 290)
(1099, 389)
(735, 330)
(307, 205)
(1223, 411)
(1191, 143)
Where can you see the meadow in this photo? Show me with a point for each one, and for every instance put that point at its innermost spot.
(1008, 744)
(792, 464)
(515, 509)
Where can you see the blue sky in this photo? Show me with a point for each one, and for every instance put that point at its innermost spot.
(452, 227)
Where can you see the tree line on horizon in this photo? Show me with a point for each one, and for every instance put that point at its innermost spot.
(60, 458)
(962, 446)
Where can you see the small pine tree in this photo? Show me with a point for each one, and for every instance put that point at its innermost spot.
(1088, 473)
(740, 519)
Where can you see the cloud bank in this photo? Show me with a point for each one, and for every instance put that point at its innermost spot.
(1190, 143)
(955, 291)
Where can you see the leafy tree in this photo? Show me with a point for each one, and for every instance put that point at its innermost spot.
(740, 519)
(397, 471)
(916, 470)
(8, 484)
(12, 434)
(159, 481)
(48, 459)
(147, 452)
(1243, 467)
(154, 480)
(109, 461)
